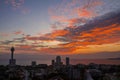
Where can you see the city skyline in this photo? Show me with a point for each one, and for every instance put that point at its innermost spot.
(49, 59)
(77, 28)
(58, 70)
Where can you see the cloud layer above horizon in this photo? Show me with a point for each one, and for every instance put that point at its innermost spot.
(77, 29)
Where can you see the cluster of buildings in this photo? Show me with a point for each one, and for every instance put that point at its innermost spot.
(58, 71)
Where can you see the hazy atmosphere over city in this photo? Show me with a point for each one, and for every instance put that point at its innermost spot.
(81, 29)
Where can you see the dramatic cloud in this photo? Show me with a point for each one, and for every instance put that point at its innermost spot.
(96, 35)
(100, 29)
(74, 10)
(83, 31)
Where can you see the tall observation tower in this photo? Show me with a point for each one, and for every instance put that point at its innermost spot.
(12, 61)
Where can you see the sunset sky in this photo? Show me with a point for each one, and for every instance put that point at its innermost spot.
(60, 27)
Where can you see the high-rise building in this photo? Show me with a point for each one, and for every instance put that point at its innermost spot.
(58, 60)
(67, 61)
(53, 62)
(33, 63)
(12, 61)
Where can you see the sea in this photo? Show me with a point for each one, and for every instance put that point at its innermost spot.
(72, 61)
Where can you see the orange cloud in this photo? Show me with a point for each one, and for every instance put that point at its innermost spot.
(67, 11)
(76, 22)
(57, 33)
(103, 35)
(84, 40)
(25, 49)
(85, 13)
(26, 46)
(18, 32)
(98, 35)
(49, 36)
